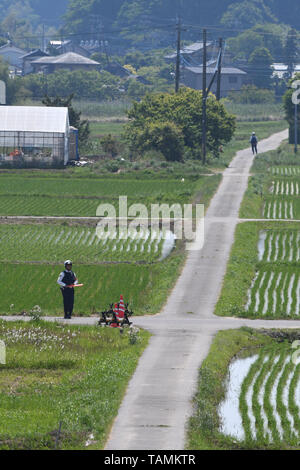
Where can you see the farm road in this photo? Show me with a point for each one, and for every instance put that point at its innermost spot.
(158, 401)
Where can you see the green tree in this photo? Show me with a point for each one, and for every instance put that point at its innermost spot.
(83, 84)
(247, 14)
(268, 35)
(289, 107)
(164, 137)
(12, 85)
(109, 145)
(184, 111)
(260, 68)
(242, 46)
(74, 116)
(288, 103)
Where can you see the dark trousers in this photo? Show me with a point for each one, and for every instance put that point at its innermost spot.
(68, 296)
(254, 148)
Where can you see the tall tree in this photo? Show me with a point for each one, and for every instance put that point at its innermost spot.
(260, 67)
(74, 116)
(247, 14)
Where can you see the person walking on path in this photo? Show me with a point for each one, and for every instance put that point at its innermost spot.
(66, 280)
(254, 142)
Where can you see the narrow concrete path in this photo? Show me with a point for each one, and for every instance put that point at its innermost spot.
(157, 404)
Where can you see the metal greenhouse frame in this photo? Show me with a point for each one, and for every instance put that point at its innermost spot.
(33, 132)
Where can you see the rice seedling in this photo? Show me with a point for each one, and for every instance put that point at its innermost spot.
(279, 246)
(267, 414)
(50, 243)
(248, 394)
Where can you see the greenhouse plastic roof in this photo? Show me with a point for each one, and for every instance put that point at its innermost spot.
(34, 119)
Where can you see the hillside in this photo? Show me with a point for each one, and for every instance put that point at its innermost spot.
(132, 18)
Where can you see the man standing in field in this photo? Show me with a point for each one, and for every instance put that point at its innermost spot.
(66, 280)
(253, 142)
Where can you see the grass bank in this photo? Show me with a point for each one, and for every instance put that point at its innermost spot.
(54, 374)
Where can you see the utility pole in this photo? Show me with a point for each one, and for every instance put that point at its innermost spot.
(296, 127)
(219, 70)
(177, 73)
(204, 92)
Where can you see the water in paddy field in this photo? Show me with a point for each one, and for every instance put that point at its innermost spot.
(261, 244)
(168, 245)
(284, 417)
(229, 409)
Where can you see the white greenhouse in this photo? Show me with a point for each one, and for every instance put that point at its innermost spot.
(34, 133)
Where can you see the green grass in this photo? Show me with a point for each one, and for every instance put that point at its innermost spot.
(54, 373)
(242, 135)
(99, 110)
(256, 112)
(100, 128)
(204, 426)
(244, 264)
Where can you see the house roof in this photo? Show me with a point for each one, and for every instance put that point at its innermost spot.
(211, 70)
(35, 53)
(33, 119)
(70, 58)
(189, 50)
(10, 47)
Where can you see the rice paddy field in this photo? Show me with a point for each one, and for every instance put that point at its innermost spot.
(86, 244)
(46, 196)
(248, 392)
(263, 279)
(142, 268)
(32, 256)
(274, 189)
(63, 377)
(264, 392)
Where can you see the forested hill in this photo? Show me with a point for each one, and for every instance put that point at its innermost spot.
(210, 12)
(130, 16)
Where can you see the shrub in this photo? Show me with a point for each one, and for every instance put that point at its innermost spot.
(250, 94)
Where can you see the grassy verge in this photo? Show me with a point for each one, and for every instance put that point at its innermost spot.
(73, 375)
(255, 112)
(242, 135)
(204, 426)
(243, 265)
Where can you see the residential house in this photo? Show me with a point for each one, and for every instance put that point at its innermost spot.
(29, 58)
(232, 79)
(281, 70)
(69, 61)
(62, 47)
(12, 55)
(193, 53)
